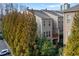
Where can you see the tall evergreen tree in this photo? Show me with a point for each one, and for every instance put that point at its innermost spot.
(72, 47)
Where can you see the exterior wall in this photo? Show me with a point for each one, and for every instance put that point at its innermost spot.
(0, 26)
(67, 25)
(55, 25)
(47, 29)
(39, 26)
(55, 19)
(60, 25)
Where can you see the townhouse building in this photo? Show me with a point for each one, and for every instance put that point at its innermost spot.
(57, 17)
(68, 19)
(44, 24)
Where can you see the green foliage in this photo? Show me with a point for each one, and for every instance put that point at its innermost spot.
(45, 47)
(72, 47)
(61, 51)
(19, 30)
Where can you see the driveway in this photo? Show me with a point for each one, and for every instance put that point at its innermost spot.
(3, 46)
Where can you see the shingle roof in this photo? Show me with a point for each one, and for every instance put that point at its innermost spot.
(41, 14)
(59, 12)
(72, 9)
(53, 12)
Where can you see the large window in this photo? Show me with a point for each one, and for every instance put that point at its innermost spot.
(68, 18)
(46, 34)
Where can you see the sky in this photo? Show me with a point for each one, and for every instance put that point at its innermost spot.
(49, 6)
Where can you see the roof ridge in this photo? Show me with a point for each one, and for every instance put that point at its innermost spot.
(41, 14)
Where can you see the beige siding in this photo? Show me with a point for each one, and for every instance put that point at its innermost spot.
(60, 24)
(39, 26)
(67, 26)
(47, 28)
(55, 18)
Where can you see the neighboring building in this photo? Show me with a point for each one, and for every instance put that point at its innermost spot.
(57, 17)
(68, 18)
(44, 24)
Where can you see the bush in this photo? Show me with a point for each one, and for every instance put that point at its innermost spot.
(45, 47)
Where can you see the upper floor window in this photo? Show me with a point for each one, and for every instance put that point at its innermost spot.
(68, 18)
(44, 22)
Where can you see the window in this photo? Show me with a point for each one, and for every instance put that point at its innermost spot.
(68, 33)
(68, 18)
(44, 34)
(44, 22)
(49, 23)
(49, 33)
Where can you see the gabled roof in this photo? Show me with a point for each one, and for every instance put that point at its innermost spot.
(59, 12)
(54, 12)
(73, 9)
(41, 14)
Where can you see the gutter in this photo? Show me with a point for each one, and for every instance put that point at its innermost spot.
(71, 11)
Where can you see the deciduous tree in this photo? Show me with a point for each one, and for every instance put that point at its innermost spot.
(72, 46)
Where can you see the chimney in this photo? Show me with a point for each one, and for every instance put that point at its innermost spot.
(27, 8)
(46, 9)
(61, 6)
(66, 6)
